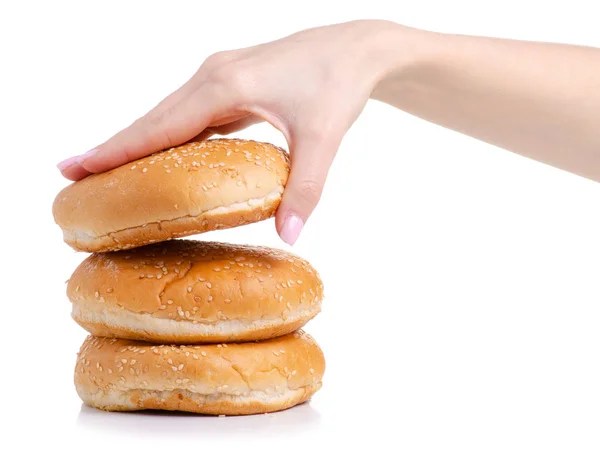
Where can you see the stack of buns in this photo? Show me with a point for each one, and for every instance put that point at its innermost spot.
(187, 325)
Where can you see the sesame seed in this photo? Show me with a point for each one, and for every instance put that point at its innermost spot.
(203, 353)
(311, 370)
(109, 290)
(189, 289)
(144, 170)
(181, 367)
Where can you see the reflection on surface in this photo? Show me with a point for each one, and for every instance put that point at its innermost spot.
(299, 419)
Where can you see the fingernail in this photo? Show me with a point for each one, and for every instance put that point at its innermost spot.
(78, 159)
(291, 229)
(67, 163)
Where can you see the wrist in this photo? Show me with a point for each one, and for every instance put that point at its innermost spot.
(403, 55)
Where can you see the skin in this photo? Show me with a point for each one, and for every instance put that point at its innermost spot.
(539, 100)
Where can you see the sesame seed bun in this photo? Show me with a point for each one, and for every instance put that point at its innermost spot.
(193, 188)
(184, 291)
(230, 379)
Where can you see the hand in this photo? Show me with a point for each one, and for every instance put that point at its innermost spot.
(311, 86)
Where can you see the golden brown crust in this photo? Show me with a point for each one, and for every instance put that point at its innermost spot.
(243, 378)
(194, 291)
(193, 188)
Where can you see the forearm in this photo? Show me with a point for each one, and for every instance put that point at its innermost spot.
(539, 100)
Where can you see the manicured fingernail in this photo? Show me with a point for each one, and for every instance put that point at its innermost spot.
(78, 159)
(291, 229)
(67, 163)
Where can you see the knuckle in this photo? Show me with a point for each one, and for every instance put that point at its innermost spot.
(309, 190)
(233, 76)
(217, 59)
(155, 126)
(156, 118)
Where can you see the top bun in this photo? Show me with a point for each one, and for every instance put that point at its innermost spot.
(193, 188)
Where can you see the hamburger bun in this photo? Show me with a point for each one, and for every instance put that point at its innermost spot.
(184, 291)
(229, 379)
(193, 188)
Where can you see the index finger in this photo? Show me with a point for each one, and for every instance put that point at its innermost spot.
(161, 128)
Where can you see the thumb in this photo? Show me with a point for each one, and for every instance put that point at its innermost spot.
(311, 159)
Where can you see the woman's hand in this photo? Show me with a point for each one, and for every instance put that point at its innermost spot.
(539, 100)
(311, 86)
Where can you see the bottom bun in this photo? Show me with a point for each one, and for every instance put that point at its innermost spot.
(221, 379)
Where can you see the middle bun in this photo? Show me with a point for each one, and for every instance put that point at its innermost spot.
(184, 291)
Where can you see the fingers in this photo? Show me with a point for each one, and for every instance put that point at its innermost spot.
(312, 156)
(163, 127)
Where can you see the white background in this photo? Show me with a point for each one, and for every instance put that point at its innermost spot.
(461, 325)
